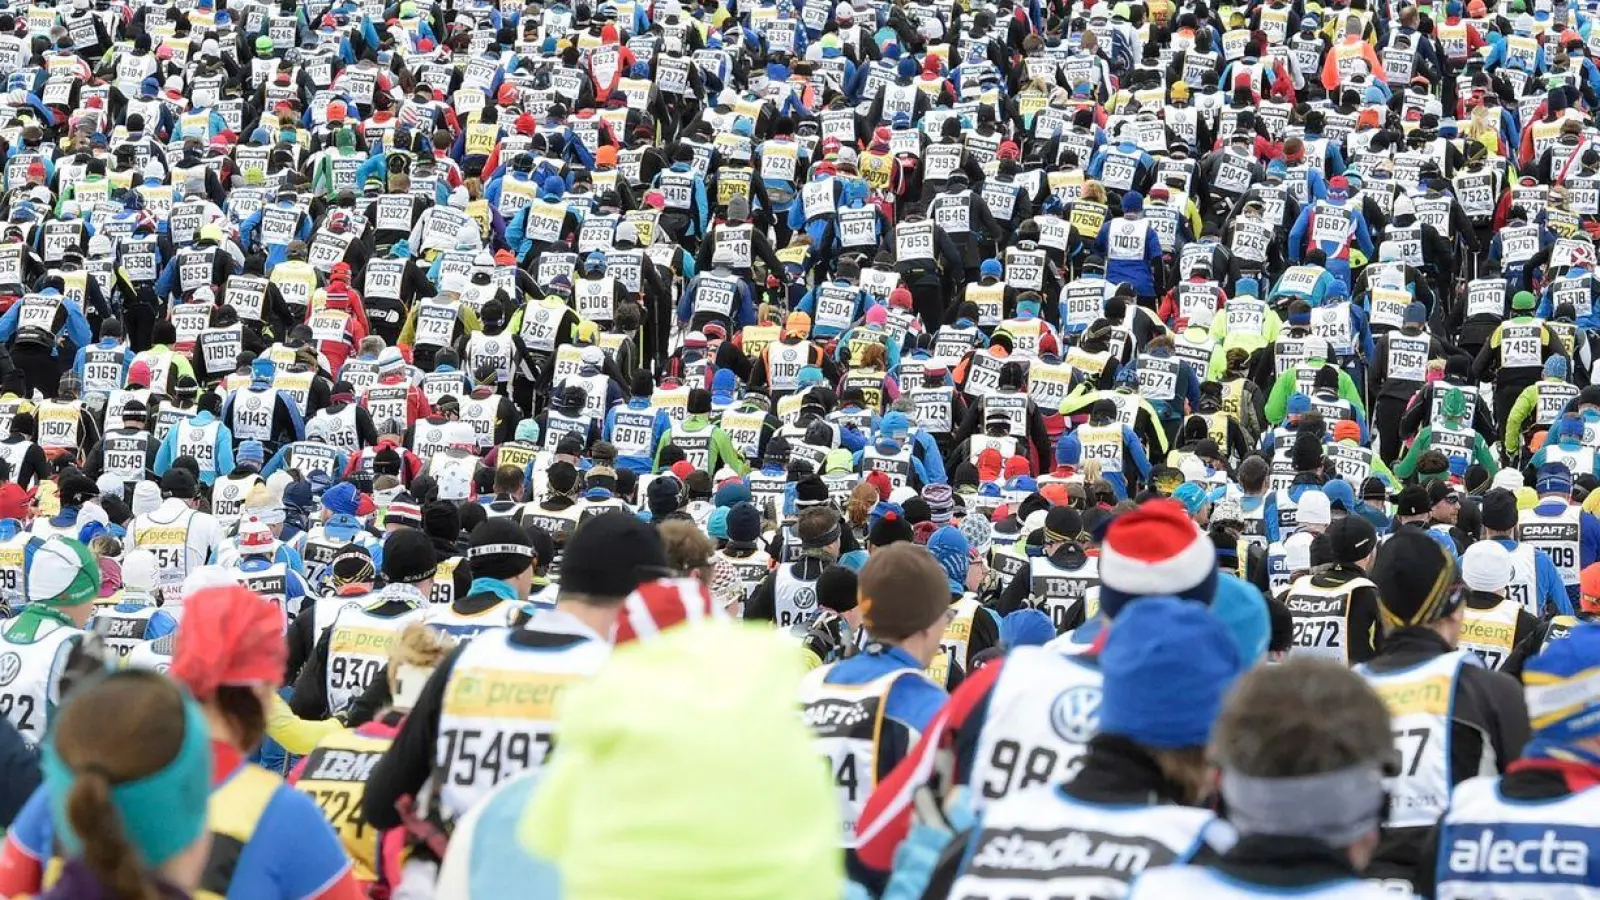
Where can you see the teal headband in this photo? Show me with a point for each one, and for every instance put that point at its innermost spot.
(163, 812)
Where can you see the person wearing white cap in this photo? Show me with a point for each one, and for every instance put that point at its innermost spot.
(60, 584)
(263, 568)
(435, 323)
(1494, 623)
(1313, 516)
(454, 467)
(135, 618)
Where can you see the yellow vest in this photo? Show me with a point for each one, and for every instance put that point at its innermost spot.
(335, 776)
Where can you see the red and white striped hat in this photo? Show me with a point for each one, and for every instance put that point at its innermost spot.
(655, 606)
(1155, 549)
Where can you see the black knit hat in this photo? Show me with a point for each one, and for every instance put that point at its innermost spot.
(612, 554)
(890, 527)
(1418, 579)
(408, 557)
(441, 520)
(836, 589)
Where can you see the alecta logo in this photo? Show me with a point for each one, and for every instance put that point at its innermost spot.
(1544, 855)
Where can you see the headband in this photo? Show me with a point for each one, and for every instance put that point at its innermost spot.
(494, 549)
(1333, 807)
(822, 540)
(163, 812)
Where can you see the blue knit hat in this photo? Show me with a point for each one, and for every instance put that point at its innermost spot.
(1026, 627)
(1247, 287)
(1241, 609)
(1563, 694)
(731, 493)
(1167, 665)
(949, 546)
(1555, 367)
(717, 525)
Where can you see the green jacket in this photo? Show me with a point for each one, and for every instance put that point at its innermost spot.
(723, 452)
(1407, 466)
(1283, 389)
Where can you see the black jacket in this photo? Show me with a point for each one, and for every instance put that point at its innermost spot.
(1486, 706)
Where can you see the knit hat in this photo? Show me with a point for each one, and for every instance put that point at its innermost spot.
(1417, 579)
(255, 538)
(655, 606)
(890, 527)
(409, 557)
(663, 496)
(1553, 478)
(949, 546)
(610, 555)
(838, 589)
(1486, 566)
(748, 755)
(1313, 509)
(1307, 453)
(1351, 539)
(1155, 549)
(1167, 664)
(1498, 510)
(904, 590)
(941, 502)
(1562, 693)
(1026, 627)
(1241, 609)
(61, 572)
(251, 453)
(1346, 430)
(1556, 367)
(744, 525)
(731, 493)
(1524, 300)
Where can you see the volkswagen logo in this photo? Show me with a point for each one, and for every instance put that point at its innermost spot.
(10, 668)
(1075, 714)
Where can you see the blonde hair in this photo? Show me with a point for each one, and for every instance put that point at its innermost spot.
(688, 548)
(419, 645)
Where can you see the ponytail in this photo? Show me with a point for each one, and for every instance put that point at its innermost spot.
(106, 850)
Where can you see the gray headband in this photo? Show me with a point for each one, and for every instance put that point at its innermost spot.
(1333, 807)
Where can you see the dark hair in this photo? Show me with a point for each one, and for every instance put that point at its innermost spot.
(117, 729)
(507, 479)
(243, 710)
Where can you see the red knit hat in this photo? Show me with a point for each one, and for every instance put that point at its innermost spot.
(139, 373)
(990, 464)
(655, 606)
(1155, 549)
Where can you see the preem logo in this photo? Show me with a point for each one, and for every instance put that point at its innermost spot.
(1547, 854)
